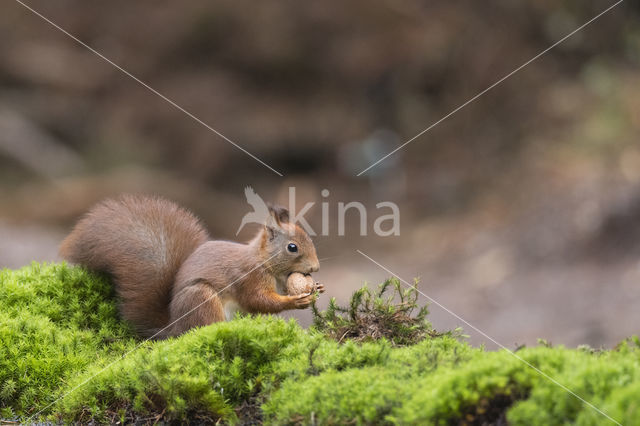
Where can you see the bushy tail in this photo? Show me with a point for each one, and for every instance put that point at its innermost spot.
(141, 243)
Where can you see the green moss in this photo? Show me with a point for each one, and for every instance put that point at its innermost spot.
(60, 336)
(425, 384)
(54, 321)
(363, 393)
(208, 371)
(604, 379)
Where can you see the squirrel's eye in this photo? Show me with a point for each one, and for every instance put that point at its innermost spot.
(292, 248)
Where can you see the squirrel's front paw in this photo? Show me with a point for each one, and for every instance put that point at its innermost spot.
(319, 288)
(302, 301)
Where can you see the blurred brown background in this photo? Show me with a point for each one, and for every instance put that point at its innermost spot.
(521, 212)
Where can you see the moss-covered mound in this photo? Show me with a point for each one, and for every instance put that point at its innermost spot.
(55, 321)
(60, 337)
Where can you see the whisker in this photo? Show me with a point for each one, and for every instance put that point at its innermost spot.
(327, 258)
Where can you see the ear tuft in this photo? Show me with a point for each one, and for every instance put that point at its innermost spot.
(279, 213)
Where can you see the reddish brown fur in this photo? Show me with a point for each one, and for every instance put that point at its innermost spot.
(170, 277)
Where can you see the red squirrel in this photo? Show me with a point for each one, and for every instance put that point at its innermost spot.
(170, 276)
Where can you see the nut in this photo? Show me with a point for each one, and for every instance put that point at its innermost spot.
(298, 283)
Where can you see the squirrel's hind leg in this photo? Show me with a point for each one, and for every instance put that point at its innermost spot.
(194, 306)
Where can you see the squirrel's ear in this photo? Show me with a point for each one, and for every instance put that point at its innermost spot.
(279, 214)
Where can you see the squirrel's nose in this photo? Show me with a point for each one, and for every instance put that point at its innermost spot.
(315, 267)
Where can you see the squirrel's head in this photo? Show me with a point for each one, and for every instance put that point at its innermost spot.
(287, 245)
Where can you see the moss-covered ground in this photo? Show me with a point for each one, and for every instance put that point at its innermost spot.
(65, 356)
